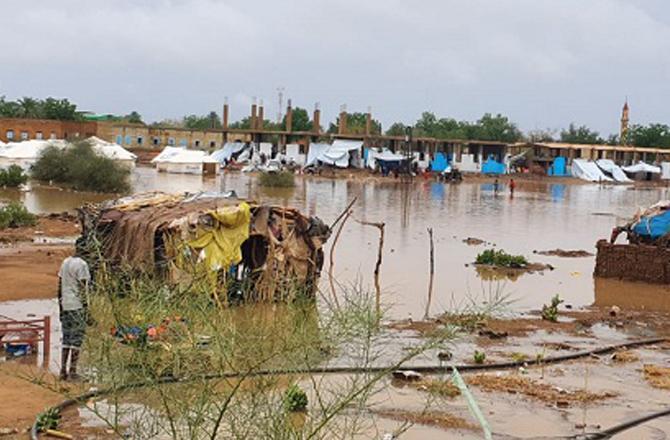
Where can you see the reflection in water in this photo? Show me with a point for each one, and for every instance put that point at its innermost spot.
(541, 216)
(488, 273)
(632, 295)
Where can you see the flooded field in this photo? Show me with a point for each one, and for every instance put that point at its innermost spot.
(540, 216)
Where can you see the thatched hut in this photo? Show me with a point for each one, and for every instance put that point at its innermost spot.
(254, 251)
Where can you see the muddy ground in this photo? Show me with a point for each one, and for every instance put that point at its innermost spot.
(559, 399)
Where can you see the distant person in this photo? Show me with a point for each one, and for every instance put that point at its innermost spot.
(496, 186)
(73, 280)
(512, 186)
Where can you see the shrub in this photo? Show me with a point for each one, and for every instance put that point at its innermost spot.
(282, 179)
(82, 168)
(295, 399)
(501, 258)
(15, 215)
(13, 176)
(550, 311)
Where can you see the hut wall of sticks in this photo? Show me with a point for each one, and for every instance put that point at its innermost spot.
(250, 251)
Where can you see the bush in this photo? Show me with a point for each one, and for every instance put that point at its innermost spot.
(82, 168)
(501, 258)
(15, 215)
(295, 399)
(282, 179)
(13, 176)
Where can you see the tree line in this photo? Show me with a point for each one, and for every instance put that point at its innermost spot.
(487, 128)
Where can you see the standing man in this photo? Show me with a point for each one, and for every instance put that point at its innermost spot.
(512, 186)
(73, 281)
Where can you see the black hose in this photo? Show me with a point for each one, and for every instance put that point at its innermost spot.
(609, 432)
(427, 369)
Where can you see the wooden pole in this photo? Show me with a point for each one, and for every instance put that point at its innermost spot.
(378, 264)
(432, 273)
(46, 341)
(331, 279)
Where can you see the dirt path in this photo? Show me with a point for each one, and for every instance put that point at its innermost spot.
(31, 271)
(22, 400)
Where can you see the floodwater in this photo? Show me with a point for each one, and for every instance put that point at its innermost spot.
(540, 216)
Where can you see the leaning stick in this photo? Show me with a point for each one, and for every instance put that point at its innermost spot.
(346, 210)
(378, 264)
(331, 279)
(432, 273)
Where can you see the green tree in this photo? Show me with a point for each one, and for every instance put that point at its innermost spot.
(134, 118)
(580, 135)
(30, 108)
(494, 128)
(396, 129)
(206, 122)
(356, 124)
(49, 108)
(541, 136)
(300, 120)
(61, 109)
(652, 135)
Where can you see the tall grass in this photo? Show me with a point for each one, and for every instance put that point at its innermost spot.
(80, 167)
(281, 179)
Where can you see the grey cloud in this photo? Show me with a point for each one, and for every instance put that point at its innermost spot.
(544, 63)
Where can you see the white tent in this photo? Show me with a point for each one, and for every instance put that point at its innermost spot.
(342, 154)
(665, 170)
(588, 170)
(112, 151)
(182, 161)
(315, 151)
(166, 153)
(294, 155)
(26, 153)
(642, 167)
(385, 154)
(224, 154)
(608, 166)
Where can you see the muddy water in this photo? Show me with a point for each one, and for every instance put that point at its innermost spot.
(540, 216)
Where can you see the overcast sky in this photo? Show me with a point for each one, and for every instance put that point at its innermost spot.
(544, 63)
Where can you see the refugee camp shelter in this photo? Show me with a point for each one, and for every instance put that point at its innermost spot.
(341, 153)
(643, 171)
(589, 171)
(613, 170)
(112, 151)
(386, 160)
(665, 170)
(218, 239)
(492, 166)
(183, 161)
(25, 153)
(230, 151)
(293, 154)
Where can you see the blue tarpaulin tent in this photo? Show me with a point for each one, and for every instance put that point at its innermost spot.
(653, 226)
(492, 166)
(439, 163)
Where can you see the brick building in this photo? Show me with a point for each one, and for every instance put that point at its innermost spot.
(18, 129)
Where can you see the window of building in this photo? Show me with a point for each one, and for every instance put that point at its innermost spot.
(171, 141)
(119, 139)
(196, 143)
(39, 135)
(24, 135)
(156, 141)
(10, 135)
(52, 135)
(183, 142)
(212, 144)
(140, 140)
(129, 139)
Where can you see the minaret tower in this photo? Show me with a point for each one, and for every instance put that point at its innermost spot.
(623, 135)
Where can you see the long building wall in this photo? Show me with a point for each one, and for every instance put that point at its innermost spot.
(632, 262)
(18, 129)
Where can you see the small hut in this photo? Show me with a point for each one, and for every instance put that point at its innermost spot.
(266, 252)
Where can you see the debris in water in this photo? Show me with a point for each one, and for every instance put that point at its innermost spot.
(544, 392)
(472, 241)
(407, 375)
(438, 419)
(565, 253)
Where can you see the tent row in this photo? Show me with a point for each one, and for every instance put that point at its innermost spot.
(605, 170)
(26, 153)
